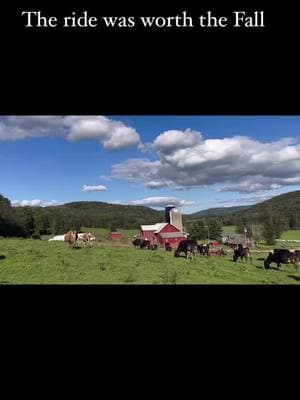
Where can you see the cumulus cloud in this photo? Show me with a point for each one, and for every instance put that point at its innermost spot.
(173, 140)
(114, 135)
(34, 203)
(161, 202)
(89, 188)
(23, 127)
(239, 163)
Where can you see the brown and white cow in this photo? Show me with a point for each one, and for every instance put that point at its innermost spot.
(86, 238)
(71, 238)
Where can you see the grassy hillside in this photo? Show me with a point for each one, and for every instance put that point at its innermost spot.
(26, 261)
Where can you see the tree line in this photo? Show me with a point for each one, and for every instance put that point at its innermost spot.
(55, 220)
(267, 222)
(266, 225)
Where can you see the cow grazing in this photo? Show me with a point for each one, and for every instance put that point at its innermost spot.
(242, 253)
(282, 256)
(71, 238)
(188, 247)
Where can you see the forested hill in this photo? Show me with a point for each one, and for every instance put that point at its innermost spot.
(109, 215)
(287, 204)
(216, 212)
(24, 221)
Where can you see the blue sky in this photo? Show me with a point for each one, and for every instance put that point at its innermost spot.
(197, 161)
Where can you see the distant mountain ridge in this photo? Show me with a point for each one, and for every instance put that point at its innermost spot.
(287, 203)
(217, 211)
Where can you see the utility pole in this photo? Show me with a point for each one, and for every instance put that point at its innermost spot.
(208, 235)
(245, 231)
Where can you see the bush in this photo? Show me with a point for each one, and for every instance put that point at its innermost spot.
(36, 236)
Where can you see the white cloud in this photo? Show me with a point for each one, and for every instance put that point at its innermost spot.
(22, 127)
(34, 203)
(51, 203)
(114, 135)
(161, 202)
(238, 163)
(98, 188)
(173, 140)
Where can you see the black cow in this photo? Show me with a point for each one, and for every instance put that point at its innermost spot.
(145, 244)
(203, 249)
(136, 243)
(282, 256)
(242, 252)
(187, 247)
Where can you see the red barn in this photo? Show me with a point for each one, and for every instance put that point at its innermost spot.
(162, 233)
(115, 235)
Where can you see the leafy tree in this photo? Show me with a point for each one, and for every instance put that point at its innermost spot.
(215, 228)
(41, 221)
(273, 225)
(25, 218)
(197, 230)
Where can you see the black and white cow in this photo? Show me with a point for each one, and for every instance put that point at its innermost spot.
(282, 256)
(242, 253)
(188, 247)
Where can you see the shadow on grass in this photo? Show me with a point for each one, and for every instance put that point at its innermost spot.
(2, 257)
(297, 278)
(269, 269)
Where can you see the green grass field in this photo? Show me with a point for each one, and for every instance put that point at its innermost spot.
(103, 234)
(291, 235)
(26, 261)
(228, 229)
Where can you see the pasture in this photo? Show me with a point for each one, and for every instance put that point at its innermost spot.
(291, 235)
(27, 261)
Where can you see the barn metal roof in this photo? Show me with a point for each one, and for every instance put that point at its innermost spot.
(169, 235)
(156, 227)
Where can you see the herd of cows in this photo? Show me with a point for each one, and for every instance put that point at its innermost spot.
(190, 249)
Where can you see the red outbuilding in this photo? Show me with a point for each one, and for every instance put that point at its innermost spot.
(115, 235)
(161, 234)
